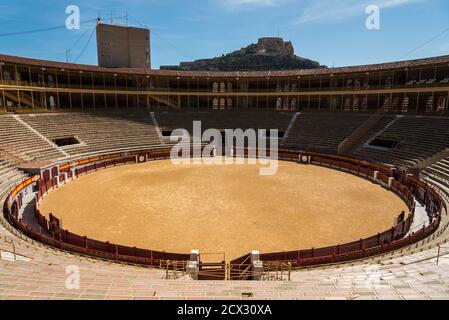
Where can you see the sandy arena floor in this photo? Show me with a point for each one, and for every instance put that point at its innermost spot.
(220, 208)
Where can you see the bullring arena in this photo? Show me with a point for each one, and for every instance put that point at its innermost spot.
(227, 209)
(358, 209)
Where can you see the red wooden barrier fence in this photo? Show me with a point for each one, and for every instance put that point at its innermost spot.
(52, 234)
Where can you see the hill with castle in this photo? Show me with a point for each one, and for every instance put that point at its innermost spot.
(267, 54)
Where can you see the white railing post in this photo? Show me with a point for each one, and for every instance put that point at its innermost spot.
(257, 265)
(193, 266)
(390, 182)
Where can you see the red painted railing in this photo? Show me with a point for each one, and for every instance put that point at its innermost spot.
(52, 234)
(407, 187)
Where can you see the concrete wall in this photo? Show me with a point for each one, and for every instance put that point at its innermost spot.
(123, 47)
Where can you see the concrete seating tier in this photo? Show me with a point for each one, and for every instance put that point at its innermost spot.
(9, 174)
(417, 137)
(323, 131)
(224, 120)
(23, 143)
(97, 132)
(29, 270)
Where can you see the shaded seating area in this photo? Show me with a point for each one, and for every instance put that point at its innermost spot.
(169, 121)
(416, 138)
(383, 123)
(323, 131)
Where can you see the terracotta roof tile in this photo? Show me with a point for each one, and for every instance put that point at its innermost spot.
(287, 73)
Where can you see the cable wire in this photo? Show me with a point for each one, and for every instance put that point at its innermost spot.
(174, 47)
(426, 43)
(82, 35)
(19, 33)
(85, 47)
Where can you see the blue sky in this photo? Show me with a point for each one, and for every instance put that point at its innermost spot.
(332, 32)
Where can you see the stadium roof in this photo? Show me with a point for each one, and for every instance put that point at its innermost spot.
(426, 62)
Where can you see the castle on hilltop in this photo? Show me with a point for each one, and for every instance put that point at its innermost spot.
(267, 54)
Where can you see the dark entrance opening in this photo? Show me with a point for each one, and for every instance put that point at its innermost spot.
(384, 143)
(167, 133)
(67, 141)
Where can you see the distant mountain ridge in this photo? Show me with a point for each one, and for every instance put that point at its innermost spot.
(266, 55)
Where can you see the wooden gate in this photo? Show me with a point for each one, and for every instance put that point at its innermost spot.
(212, 267)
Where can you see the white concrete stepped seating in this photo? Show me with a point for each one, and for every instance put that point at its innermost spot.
(39, 272)
(23, 143)
(96, 132)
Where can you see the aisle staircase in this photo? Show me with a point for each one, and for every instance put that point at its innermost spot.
(360, 131)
